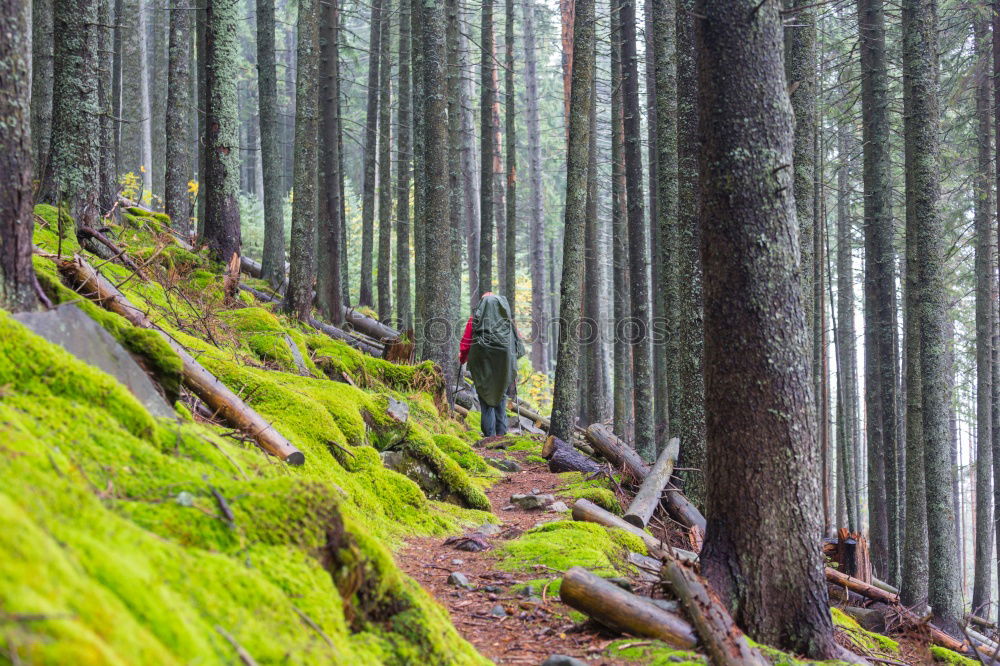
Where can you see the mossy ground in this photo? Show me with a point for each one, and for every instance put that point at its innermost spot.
(116, 545)
(945, 656)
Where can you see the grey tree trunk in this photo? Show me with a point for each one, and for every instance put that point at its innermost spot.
(330, 269)
(222, 165)
(985, 318)
(176, 202)
(663, 226)
(302, 260)
(761, 421)
(419, 171)
(457, 223)
(273, 261)
(404, 306)
(145, 107)
(370, 157)
(17, 274)
(688, 423)
(74, 150)
(566, 390)
(486, 148)
(510, 111)
(470, 180)
(108, 173)
(41, 83)
(642, 366)
(201, 74)
(925, 231)
(881, 374)
(536, 212)
(384, 282)
(619, 226)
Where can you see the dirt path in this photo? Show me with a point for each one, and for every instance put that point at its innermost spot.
(531, 631)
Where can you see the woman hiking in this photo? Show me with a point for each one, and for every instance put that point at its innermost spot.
(491, 347)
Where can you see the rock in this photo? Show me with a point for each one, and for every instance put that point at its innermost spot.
(528, 591)
(505, 465)
(494, 589)
(459, 579)
(498, 611)
(495, 442)
(872, 619)
(528, 426)
(419, 472)
(563, 660)
(300, 364)
(535, 491)
(457, 562)
(399, 411)
(558, 507)
(509, 507)
(184, 498)
(533, 501)
(488, 529)
(69, 327)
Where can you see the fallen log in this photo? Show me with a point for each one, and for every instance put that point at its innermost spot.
(619, 454)
(371, 327)
(651, 491)
(226, 404)
(586, 511)
(623, 611)
(720, 637)
(564, 458)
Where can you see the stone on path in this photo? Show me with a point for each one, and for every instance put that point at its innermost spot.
(563, 660)
(505, 465)
(558, 507)
(533, 501)
(459, 579)
(498, 611)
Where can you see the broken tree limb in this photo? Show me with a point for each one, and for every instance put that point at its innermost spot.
(623, 611)
(720, 637)
(625, 458)
(586, 511)
(226, 404)
(651, 491)
(564, 458)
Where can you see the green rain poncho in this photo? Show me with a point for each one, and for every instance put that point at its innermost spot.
(495, 349)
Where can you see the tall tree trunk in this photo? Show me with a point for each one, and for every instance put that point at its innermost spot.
(985, 317)
(457, 223)
(619, 238)
(925, 231)
(486, 150)
(880, 297)
(145, 106)
(499, 207)
(663, 224)
(995, 13)
(17, 274)
(642, 371)
(41, 84)
(404, 306)
(302, 264)
(201, 74)
(222, 155)
(689, 421)
(847, 383)
(566, 390)
(108, 174)
(419, 171)
(273, 261)
(510, 109)
(761, 423)
(384, 283)
(370, 157)
(176, 202)
(75, 145)
(536, 213)
(436, 221)
(470, 181)
(330, 269)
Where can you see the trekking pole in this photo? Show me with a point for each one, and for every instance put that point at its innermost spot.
(517, 402)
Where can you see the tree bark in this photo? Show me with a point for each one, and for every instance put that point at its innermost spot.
(925, 231)
(273, 260)
(42, 47)
(17, 274)
(370, 157)
(384, 282)
(176, 202)
(145, 106)
(510, 110)
(302, 258)
(761, 424)
(985, 317)
(404, 305)
(566, 390)
(536, 213)
(330, 264)
(642, 370)
(648, 498)
(486, 150)
(457, 223)
(470, 179)
(222, 161)
(107, 196)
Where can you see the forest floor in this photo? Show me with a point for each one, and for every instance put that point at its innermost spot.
(533, 629)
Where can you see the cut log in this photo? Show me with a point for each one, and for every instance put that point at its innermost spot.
(564, 458)
(625, 458)
(651, 491)
(720, 637)
(373, 328)
(623, 611)
(226, 404)
(862, 588)
(585, 510)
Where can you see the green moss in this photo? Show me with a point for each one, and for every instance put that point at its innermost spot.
(534, 459)
(563, 544)
(575, 484)
(531, 443)
(869, 640)
(946, 656)
(654, 653)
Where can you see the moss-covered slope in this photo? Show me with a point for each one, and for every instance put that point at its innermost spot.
(126, 540)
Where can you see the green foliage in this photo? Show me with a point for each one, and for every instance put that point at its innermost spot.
(575, 484)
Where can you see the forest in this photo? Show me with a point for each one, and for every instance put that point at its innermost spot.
(537, 332)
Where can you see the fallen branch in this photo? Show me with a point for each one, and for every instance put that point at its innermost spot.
(586, 511)
(623, 611)
(651, 491)
(200, 381)
(564, 458)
